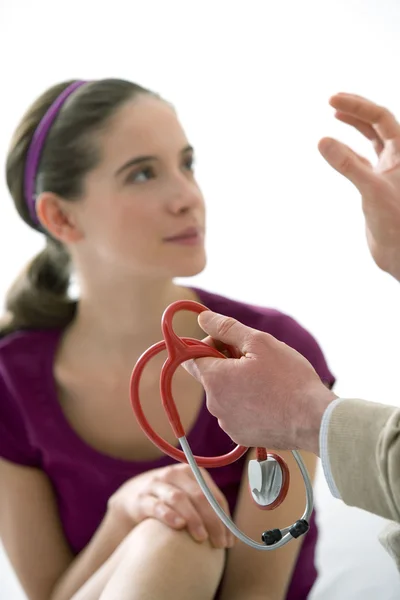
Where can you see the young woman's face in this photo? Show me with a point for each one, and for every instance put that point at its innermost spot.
(143, 210)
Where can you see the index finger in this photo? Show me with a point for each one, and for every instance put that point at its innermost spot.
(226, 350)
(381, 119)
(218, 532)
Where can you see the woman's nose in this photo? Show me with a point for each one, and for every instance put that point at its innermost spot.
(184, 196)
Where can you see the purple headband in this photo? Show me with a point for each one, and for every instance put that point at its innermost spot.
(36, 147)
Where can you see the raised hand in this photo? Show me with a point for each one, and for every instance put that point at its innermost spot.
(379, 184)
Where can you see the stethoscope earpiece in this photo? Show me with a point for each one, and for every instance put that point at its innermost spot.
(269, 475)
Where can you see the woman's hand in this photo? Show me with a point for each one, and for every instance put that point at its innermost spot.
(378, 185)
(172, 495)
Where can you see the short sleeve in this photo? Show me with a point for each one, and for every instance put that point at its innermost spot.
(289, 331)
(15, 445)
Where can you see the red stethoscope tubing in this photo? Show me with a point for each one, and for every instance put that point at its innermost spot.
(180, 350)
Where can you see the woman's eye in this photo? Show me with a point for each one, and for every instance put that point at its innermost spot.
(189, 163)
(141, 176)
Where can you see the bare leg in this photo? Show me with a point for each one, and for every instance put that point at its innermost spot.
(92, 589)
(159, 562)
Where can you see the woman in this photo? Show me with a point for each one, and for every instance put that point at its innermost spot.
(88, 506)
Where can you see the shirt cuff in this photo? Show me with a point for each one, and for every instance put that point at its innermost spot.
(323, 447)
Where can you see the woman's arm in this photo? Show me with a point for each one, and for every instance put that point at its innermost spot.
(253, 574)
(32, 535)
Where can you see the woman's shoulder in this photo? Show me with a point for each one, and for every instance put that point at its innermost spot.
(23, 370)
(282, 326)
(24, 350)
(26, 359)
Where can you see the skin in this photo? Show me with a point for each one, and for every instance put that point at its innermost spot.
(116, 235)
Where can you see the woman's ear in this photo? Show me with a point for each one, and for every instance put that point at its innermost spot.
(58, 218)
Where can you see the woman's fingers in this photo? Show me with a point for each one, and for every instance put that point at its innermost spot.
(222, 501)
(220, 536)
(174, 497)
(154, 507)
(179, 500)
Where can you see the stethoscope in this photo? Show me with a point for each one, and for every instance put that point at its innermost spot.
(268, 475)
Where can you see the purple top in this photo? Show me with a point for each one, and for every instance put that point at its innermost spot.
(35, 432)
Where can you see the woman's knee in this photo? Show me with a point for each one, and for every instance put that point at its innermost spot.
(155, 558)
(157, 537)
(159, 533)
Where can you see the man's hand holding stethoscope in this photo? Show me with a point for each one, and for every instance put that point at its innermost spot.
(266, 397)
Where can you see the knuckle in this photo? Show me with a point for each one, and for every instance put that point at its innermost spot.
(226, 325)
(184, 467)
(345, 164)
(198, 496)
(383, 113)
(159, 508)
(187, 474)
(258, 337)
(201, 502)
(142, 494)
(167, 474)
(177, 496)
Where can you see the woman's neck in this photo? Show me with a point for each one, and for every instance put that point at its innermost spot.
(119, 322)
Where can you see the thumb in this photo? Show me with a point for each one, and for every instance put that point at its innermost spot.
(355, 168)
(226, 330)
(223, 329)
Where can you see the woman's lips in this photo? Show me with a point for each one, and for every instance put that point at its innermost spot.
(189, 237)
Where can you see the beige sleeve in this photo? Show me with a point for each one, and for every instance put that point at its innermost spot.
(364, 455)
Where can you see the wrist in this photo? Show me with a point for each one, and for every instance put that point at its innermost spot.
(117, 518)
(317, 401)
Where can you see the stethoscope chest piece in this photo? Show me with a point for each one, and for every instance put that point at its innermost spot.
(268, 482)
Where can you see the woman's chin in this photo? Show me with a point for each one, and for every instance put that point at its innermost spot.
(191, 268)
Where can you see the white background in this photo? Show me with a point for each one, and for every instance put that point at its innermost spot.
(251, 81)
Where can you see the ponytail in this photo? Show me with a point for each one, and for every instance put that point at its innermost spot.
(39, 296)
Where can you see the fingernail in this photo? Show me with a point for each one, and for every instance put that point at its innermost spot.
(205, 317)
(178, 521)
(187, 365)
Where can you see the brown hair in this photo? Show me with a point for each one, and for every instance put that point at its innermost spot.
(39, 298)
